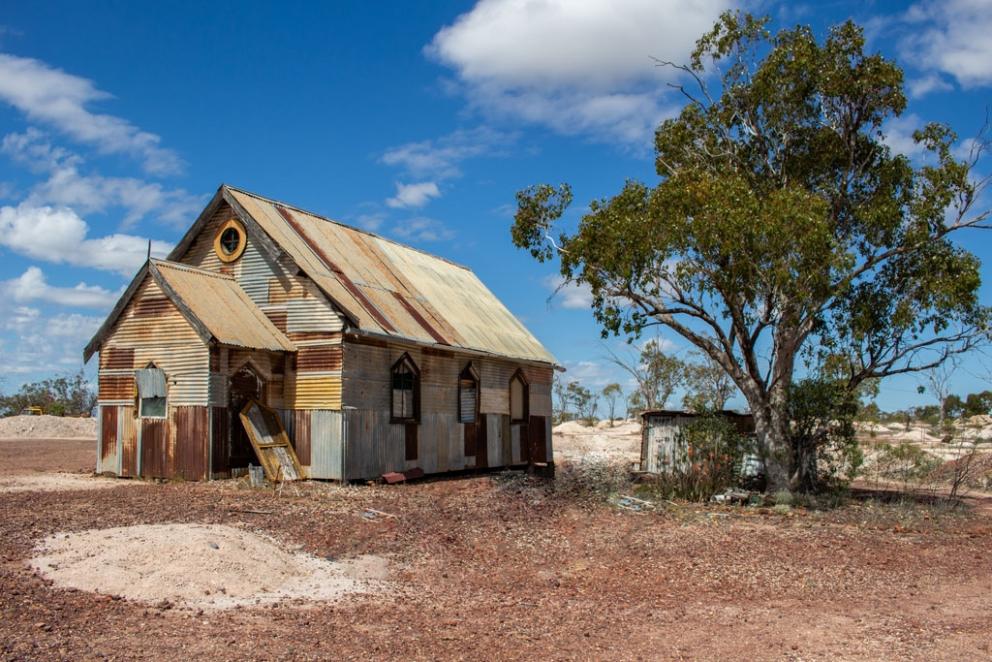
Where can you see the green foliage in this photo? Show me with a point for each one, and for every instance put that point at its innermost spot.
(656, 373)
(782, 220)
(582, 400)
(826, 452)
(708, 386)
(905, 462)
(707, 459)
(58, 396)
(612, 393)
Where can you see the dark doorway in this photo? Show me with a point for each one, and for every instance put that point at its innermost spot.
(245, 385)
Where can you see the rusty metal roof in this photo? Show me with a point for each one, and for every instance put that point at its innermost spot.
(219, 303)
(391, 289)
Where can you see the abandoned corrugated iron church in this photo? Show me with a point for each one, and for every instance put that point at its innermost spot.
(377, 356)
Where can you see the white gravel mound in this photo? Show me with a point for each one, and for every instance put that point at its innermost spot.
(47, 427)
(199, 566)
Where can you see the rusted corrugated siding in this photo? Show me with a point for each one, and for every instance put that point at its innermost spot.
(156, 456)
(108, 439)
(118, 387)
(537, 439)
(191, 448)
(127, 424)
(221, 440)
(117, 358)
(322, 358)
(301, 435)
(168, 341)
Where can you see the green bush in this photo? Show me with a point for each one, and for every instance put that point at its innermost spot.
(707, 459)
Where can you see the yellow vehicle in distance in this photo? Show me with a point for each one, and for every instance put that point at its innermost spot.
(32, 411)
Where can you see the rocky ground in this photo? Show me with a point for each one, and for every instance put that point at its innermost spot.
(501, 566)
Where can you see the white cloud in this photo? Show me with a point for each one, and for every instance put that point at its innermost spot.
(920, 87)
(20, 318)
(440, 158)
(578, 67)
(50, 95)
(413, 195)
(95, 193)
(32, 286)
(591, 374)
(423, 229)
(574, 296)
(371, 221)
(951, 36)
(72, 325)
(898, 135)
(59, 235)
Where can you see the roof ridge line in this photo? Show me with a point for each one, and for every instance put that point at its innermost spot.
(345, 225)
(189, 267)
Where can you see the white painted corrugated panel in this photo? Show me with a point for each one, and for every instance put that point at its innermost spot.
(326, 444)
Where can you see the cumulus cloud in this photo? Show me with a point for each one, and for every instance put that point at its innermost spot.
(413, 195)
(441, 158)
(61, 100)
(898, 135)
(95, 193)
(423, 229)
(20, 318)
(574, 296)
(951, 36)
(59, 235)
(577, 67)
(920, 87)
(32, 286)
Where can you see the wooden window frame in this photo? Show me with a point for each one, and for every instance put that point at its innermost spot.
(407, 360)
(469, 373)
(519, 375)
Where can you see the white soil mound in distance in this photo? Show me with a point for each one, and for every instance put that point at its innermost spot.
(58, 482)
(47, 427)
(199, 566)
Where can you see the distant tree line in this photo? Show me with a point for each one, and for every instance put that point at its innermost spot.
(66, 395)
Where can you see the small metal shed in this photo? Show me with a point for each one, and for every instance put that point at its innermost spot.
(659, 434)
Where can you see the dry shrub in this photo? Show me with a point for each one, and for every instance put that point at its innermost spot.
(591, 479)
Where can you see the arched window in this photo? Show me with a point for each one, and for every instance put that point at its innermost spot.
(519, 398)
(405, 393)
(151, 392)
(468, 395)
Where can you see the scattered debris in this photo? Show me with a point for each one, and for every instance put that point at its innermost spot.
(372, 513)
(633, 503)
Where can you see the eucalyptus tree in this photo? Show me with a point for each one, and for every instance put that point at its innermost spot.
(782, 228)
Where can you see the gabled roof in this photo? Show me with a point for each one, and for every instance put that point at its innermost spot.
(384, 288)
(213, 303)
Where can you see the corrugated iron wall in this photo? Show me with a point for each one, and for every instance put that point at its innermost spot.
(152, 330)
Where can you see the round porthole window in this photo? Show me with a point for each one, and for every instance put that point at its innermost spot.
(230, 241)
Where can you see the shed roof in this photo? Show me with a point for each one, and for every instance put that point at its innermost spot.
(213, 303)
(387, 288)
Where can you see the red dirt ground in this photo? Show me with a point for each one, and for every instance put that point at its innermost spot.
(490, 567)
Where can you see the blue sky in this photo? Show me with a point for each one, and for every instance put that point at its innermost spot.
(416, 120)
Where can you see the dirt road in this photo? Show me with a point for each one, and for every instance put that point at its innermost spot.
(493, 567)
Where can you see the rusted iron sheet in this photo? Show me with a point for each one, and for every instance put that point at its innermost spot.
(272, 446)
(152, 306)
(127, 425)
(449, 303)
(117, 358)
(156, 460)
(318, 250)
(220, 304)
(301, 435)
(116, 387)
(320, 358)
(108, 438)
(279, 319)
(191, 449)
(536, 440)
(221, 440)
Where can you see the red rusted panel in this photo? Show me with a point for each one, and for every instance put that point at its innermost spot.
(221, 440)
(537, 439)
(469, 432)
(538, 375)
(108, 438)
(341, 276)
(314, 335)
(191, 432)
(152, 306)
(116, 387)
(278, 319)
(482, 442)
(155, 448)
(116, 358)
(393, 477)
(128, 441)
(214, 358)
(525, 450)
(411, 441)
(319, 359)
(420, 319)
(301, 435)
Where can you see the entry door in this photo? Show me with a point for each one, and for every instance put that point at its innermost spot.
(245, 385)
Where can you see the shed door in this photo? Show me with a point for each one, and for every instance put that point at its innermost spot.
(245, 385)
